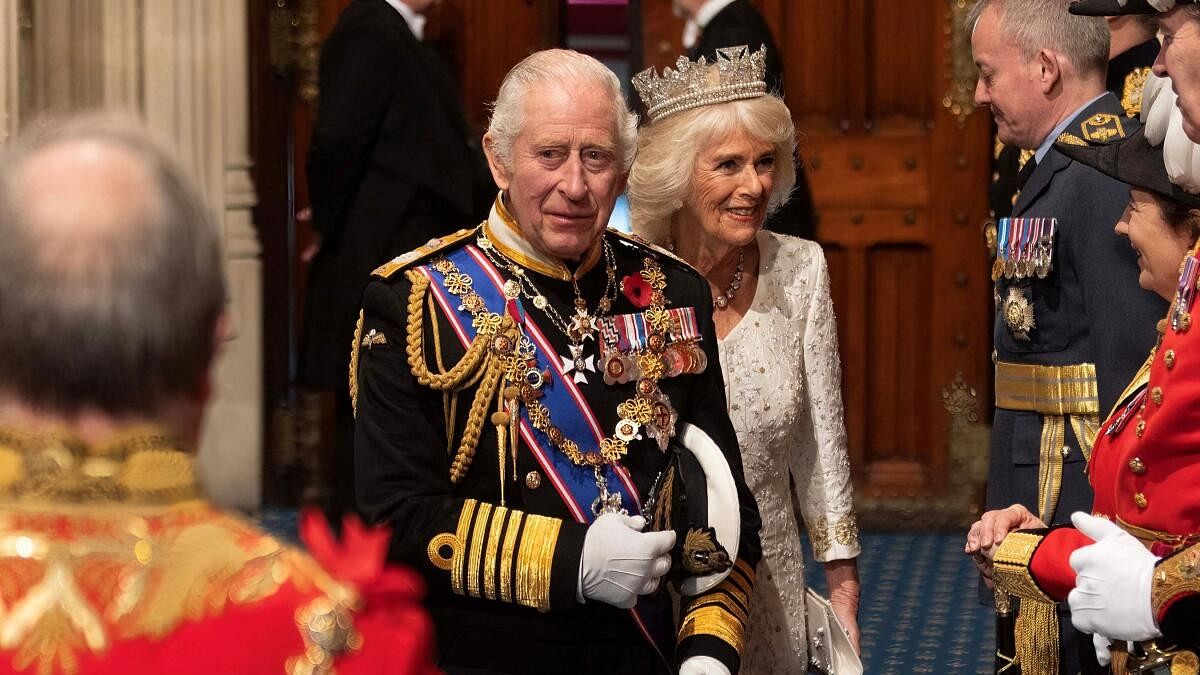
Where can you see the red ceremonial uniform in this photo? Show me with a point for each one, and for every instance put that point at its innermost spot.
(1145, 470)
(124, 571)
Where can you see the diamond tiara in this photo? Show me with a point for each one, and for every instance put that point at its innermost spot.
(737, 74)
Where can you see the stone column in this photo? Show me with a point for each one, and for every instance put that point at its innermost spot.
(195, 91)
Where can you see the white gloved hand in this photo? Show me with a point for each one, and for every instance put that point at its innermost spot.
(702, 665)
(1101, 645)
(1112, 583)
(620, 562)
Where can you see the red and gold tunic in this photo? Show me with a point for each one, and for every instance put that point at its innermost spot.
(1145, 470)
(110, 564)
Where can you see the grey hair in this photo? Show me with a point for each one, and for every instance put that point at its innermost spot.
(563, 67)
(1034, 25)
(661, 179)
(120, 317)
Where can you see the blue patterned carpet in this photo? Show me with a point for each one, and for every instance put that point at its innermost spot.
(918, 614)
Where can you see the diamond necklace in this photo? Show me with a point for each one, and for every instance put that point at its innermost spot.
(724, 299)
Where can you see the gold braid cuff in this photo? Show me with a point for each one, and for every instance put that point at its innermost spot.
(722, 612)
(1036, 626)
(495, 550)
(1175, 577)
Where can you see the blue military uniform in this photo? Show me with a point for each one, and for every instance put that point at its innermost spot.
(1068, 337)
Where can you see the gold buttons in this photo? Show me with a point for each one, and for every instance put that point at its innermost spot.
(1156, 395)
(533, 479)
(1169, 358)
(1140, 428)
(1137, 466)
(1140, 500)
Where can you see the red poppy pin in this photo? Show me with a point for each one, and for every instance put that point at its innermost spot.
(637, 290)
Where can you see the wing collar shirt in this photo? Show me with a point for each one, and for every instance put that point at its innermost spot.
(1048, 141)
(416, 22)
(696, 24)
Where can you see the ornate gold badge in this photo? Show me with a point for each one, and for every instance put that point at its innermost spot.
(1071, 139)
(1102, 128)
(702, 554)
(1131, 93)
(1018, 314)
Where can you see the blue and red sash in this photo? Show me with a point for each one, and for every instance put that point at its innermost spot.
(569, 410)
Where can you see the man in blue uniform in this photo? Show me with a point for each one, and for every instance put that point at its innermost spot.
(1073, 325)
(517, 387)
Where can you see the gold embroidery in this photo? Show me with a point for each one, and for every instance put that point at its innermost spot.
(355, 344)
(1175, 576)
(1102, 128)
(475, 559)
(1068, 138)
(507, 553)
(464, 528)
(114, 575)
(713, 620)
(434, 550)
(1011, 566)
(534, 560)
(845, 530)
(1131, 93)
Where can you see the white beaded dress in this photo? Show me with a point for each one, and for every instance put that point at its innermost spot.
(783, 382)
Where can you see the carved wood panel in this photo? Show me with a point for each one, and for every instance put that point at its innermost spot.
(899, 183)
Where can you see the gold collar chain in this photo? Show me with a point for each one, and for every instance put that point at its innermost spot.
(523, 382)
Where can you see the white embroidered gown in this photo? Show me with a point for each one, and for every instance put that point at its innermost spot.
(783, 382)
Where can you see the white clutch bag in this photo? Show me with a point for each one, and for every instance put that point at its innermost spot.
(829, 648)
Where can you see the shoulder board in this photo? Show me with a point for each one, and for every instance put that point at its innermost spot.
(1102, 128)
(434, 245)
(636, 241)
(1069, 138)
(1131, 93)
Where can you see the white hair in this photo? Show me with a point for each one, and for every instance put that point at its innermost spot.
(1034, 25)
(661, 178)
(565, 68)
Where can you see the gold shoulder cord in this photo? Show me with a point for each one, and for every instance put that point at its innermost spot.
(478, 366)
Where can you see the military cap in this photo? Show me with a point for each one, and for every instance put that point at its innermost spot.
(1134, 161)
(1119, 7)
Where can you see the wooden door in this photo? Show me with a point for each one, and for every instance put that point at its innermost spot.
(479, 39)
(899, 165)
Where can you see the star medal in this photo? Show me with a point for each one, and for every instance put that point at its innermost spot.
(1018, 314)
(578, 363)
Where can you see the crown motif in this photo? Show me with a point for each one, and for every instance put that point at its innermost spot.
(737, 74)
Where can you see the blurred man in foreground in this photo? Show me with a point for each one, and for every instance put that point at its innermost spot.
(111, 311)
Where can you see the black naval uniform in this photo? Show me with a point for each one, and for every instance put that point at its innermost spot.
(403, 462)
(1067, 344)
(1127, 73)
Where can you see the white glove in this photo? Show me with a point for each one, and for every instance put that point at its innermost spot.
(1101, 645)
(1112, 583)
(620, 562)
(702, 665)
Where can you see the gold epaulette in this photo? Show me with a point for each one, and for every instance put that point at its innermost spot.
(434, 245)
(638, 241)
(722, 612)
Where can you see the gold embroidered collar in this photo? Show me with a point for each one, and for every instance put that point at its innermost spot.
(139, 465)
(504, 232)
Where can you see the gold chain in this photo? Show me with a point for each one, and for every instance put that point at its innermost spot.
(523, 381)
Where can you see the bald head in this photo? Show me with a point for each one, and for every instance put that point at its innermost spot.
(110, 276)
